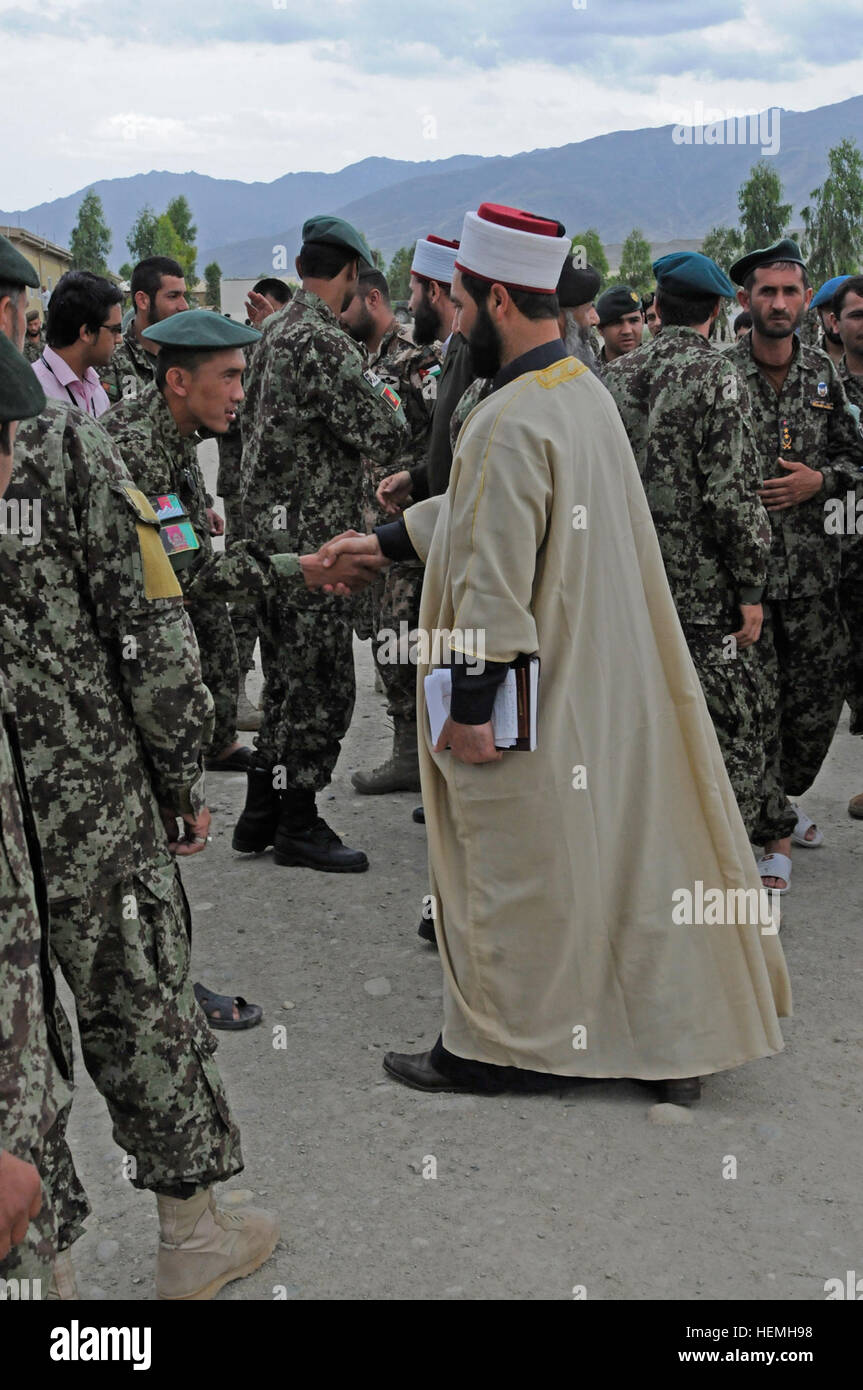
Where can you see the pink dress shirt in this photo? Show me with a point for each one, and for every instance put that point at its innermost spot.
(60, 382)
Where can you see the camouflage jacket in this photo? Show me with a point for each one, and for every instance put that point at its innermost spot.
(413, 373)
(853, 387)
(160, 459)
(431, 476)
(687, 416)
(32, 348)
(33, 1069)
(821, 433)
(101, 656)
(315, 413)
(131, 369)
(476, 392)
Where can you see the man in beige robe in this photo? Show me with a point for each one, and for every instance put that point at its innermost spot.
(571, 882)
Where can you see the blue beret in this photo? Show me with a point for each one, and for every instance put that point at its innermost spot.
(21, 394)
(200, 329)
(783, 250)
(335, 231)
(690, 273)
(825, 295)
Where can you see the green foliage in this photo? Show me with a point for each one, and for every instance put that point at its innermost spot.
(724, 246)
(763, 216)
(399, 273)
(593, 253)
(125, 271)
(636, 262)
(833, 243)
(90, 242)
(173, 234)
(213, 277)
(141, 239)
(181, 215)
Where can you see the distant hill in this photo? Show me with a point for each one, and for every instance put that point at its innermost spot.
(674, 192)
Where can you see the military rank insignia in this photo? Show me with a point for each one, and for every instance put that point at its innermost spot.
(176, 531)
(821, 399)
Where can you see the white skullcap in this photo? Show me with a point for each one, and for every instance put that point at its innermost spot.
(434, 259)
(513, 247)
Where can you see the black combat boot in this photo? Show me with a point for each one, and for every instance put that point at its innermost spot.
(255, 831)
(304, 840)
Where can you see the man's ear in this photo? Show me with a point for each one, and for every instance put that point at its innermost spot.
(743, 298)
(142, 301)
(174, 377)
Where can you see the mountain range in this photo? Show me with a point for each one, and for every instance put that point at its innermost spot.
(651, 178)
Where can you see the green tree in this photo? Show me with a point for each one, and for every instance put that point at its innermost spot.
(125, 271)
(834, 221)
(168, 242)
(213, 277)
(141, 239)
(181, 215)
(723, 245)
(763, 217)
(399, 273)
(590, 250)
(636, 262)
(90, 242)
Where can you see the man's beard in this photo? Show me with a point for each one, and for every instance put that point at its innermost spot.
(834, 338)
(484, 344)
(426, 323)
(776, 329)
(578, 341)
(364, 329)
(348, 300)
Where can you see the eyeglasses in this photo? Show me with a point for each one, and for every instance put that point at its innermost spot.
(115, 328)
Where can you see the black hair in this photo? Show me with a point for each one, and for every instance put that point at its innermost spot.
(147, 275)
(683, 310)
(374, 279)
(80, 300)
(533, 306)
(647, 301)
(784, 265)
(187, 358)
(743, 320)
(426, 280)
(274, 289)
(319, 260)
(854, 285)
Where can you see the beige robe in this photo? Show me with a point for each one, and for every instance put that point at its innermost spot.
(554, 904)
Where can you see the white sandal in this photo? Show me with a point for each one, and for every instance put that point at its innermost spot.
(776, 866)
(798, 834)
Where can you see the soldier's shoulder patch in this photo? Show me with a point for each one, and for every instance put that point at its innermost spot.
(382, 389)
(160, 580)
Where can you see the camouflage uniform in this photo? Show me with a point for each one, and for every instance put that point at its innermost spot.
(687, 416)
(35, 1041)
(804, 678)
(103, 662)
(851, 580)
(314, 416)
(161, 460)
(476, 392)
(130, 370)
(32, 348)
(395, 598)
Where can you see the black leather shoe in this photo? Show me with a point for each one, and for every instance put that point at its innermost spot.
(255, 831)
(686, 1091)
(317, 847)
(419, 815)
(415, 1070)
(427, 932)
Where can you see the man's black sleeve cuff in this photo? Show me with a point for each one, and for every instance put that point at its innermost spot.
(473, 695)
(395, 541)
(419, 482)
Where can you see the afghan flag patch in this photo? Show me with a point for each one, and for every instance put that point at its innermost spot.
(392, 399)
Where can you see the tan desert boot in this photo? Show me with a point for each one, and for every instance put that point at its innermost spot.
(203, 1248)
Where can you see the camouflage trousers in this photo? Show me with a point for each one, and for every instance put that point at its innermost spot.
(732, 691)
(245, 618)
(397, 602)
(851, 604)
(309, 687)
(803, 665)
(124, 953)
(219, 667)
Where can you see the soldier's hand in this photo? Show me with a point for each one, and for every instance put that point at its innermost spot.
(195, 830)
(20, 1199)
(393, 493)
(470, 743)
(258, 308)
(217, 524)
(798, 486)
(753, 617)
(345, 564)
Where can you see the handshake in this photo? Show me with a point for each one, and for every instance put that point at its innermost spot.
(344, 565)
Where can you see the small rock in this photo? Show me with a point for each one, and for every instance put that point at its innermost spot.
(202, 907)
(378, 987)
(107, 1250)
(237, 1197)
(665, 1114)
(289, 1004)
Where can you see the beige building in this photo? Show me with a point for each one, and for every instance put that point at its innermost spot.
(50, 261)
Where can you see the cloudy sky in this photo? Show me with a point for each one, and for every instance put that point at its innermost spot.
(252, 89)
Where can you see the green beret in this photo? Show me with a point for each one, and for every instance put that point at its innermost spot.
(690, 273)
(21, 394)
(200, 329)
(14, 269)
(619, 300)
(334, 231)
(783, 250)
